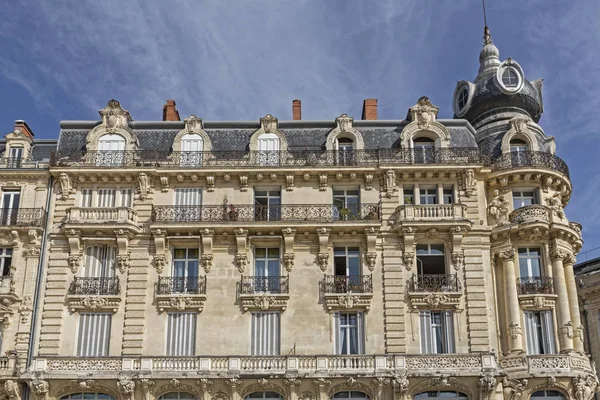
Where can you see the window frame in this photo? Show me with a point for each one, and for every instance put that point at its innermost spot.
(271, 327)
(89, 197)
(528, 262)
(429, 340)
(102, 349)
(271, 211)
(520, 191)
(6, 253)
(176, 349)
(346, 330)
(537, 329)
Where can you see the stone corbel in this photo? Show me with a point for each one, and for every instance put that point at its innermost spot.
(323, 256)
(368, 181)
(143, 185)
(379, 385)
(160, 258)
(322, 384)
(164, 184)
(147, 387)
(469, 182)
(126, 387)
(75, 249)
(293, 384)
(206, 259)
(371, 240)
(289, 235)
(400, 384)
(409, 244)
(390, 183)
(205, 386)
(243, 183)
(65, 185)
(487, 386)
(123, 254)
(322, 182)
(210, 183)
(40, 388)
(289, 182)
(241, 257)
(458, 256)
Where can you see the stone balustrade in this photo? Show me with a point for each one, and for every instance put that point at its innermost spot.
(102, 215)
(556, 364)
(431, 211)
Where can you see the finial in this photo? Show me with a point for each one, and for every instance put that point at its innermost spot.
(487, 37)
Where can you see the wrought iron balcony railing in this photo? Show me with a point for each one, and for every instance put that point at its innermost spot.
(22, 217)
(535, 285)
(252, 159)
(264, 284)
(534, 159)
(434, 283)
(532, 213)
(262, 213)
(347, 284)
(175, 285)
(95, 286)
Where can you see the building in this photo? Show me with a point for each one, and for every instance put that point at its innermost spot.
(588, 285)
(410, 258)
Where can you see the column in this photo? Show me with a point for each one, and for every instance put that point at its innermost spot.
(417, 194)
(440, 194)
(563, 314)
(513, 311)
(568, 262)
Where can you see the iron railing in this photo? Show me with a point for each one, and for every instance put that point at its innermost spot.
(532, 213)
(347, 283)
(22, 216)
(95, 286)
(261, 213)
(535, 285)
(264, 284)
(434, 283)
(188, 284)
(536, 159)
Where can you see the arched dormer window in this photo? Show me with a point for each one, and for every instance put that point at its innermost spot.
(192, 146)
(518, 145)
(111, 150)
(423, 150)
(268, 149)
(344, 147)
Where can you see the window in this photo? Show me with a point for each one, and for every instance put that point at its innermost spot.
(105, 197)
(15, 156)
(351, 395)
(177, 396)
(94, 334)
(87, 396)
(517, 146)
(446, 394)
(185, 270)
(181, 334)
(191, 150)
(463, 96)
(10, 207)
(448, 195)
(346, 261)
(547, 395)
(437, 332)
(99, 262)
(188, 203)
(540, 332)
(530, 262)
(266, 270)
(264, 396)
(349, 335)
(428, 195)
(344, 151)
(346, 204)
(424, 150)
(111, 150)
(510, 79)
(5, 261)
(268, 149)
(267, 205)
(524, 197)
(409, 195)
(431, 259)
(265, 334)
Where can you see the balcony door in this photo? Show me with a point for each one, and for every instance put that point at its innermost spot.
(518, 149)
(15, 157)
(111, 150)
(268, 149)
(423, 150)
(267, 269)
(10, 207)
(100, 262)
(188, 204)
(191, 150)
(267, 205)
(346, 204)
(185, 270)
(530, 265)
(344, 154)
(346, 263)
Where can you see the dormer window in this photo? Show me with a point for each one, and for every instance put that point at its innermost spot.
(15, 157)
(509, 77)
(345, 148)
(424, 150)
(111, 148)
(518, 146)
(268, 149)
(462, 98)
(191, 150)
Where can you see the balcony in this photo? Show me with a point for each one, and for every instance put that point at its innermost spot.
(434, 291)
(94, 293)
(181, 293)
(530, 159)
(299, 213)
(529, 214)
(290, 365)
(431, 212)
(536, 292)
(263, 293)
(570, 365)
(266, 159)
(108, 219)
(22, 217)
(8, 366)
(342, 292)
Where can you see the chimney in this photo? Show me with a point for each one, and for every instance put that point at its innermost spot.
(170, 113)
(297, 110)
(24, 128)
(369, 109)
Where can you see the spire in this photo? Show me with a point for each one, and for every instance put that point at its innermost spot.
(487, 36)
(489, 58)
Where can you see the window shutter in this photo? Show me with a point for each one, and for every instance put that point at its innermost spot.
(449, 329)
(187, 197)
(530, 331)
(181, 334)
(125, 197)
(106, 198)
(360, 322)
(548, 329)
(94, 334)
(337, 340)
(426, 345)
(86, 198)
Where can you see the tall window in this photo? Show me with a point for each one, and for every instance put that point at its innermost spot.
(530, 262)
(424, 150)
(10, 207)
(437, 332)
(349, 333)
(346, 262)
(267, 205)
(94, 334)
(524, 197)
(15, 157)
(111, 150)
(409, 194)
(344, 151)
(431, 259)
(266, 269)
(181, 334)
(268, 149)
(5, 261)
(265, 334)
(188, 203)
(540, 332)
(106, 197)
(100, 262)
(346, 204)
(191, 150)
(428, 195)
(185, 270)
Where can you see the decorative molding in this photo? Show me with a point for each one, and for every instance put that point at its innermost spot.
(423, 122)
(368, 181)
(343, 128)
(264, 301)
(469, 182)
(206, 259)
(289, 236)
(323, 182)
(143, 185)
(108, 303)
(348, 301)
(323, 255)
(180, 302)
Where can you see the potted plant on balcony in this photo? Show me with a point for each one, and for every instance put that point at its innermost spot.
(232, 214)
(407, 200)
(344, 213)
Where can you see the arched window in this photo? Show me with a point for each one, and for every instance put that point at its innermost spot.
(177, 396)
(268, 149)
(264, 396)
(351, 395)
(518, 146)
(344, 147)
(510, 79)
(192, 146)
(424, 150)
(518, 149)
(445, 394)
(547, 395)
(111, 148)
(87, 396)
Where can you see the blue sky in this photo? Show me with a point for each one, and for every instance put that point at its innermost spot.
(224, 60)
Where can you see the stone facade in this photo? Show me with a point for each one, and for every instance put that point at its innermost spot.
(351, 211)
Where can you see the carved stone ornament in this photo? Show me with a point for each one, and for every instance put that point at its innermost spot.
(40, 388)
(234, 385)
(288, 261)
(193, 124)
(307, 396)
(432, 232)
(126, 387)
(390, 183)
(147, 387)
(323, 260)
(400, 383)
(409, 260)
(424, 112)
(11, 388)
(220, 396)
(513, 389)
(556, 205)
(557, 254)
(458, 260)
(584, 387)
(371, 259)
(113, 116)
(123, 262)
(160, 261)
(241, 260)
(514, 329)
(207, 262)
(74, 261)
(164, 184)
(65, 185)
(322, 182)
(143, 185)
(344, 122)
(368, 181)
(469, 182)
(508, 255)
(487, 385)
(268, 123)
(498, 208)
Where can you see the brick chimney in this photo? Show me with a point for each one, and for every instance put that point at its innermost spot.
(24, 128)
(369, 109)
(297, 110)
(170, 113)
